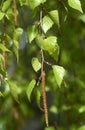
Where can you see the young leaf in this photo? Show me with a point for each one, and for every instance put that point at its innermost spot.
(35, 3)
(59, 73)
(15, 90)
(36, 64)
(54, 15)
(30, 88)
(75, 4)
(10, 15)
(16, 49)
(54, 109)
(1, 15)
(38, 98)
(32, 33)
(22, 2)
(6, 89)
(6, 5)
(82, 18)
(3, 48)
(39, 41)
(47, 23)
(1, 60)
(17, 33)
(2, 71)
(49, 44)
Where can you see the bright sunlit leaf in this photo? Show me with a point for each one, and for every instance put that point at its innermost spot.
(32, 33)
(59, 73)
(1, 15)
(35, 3)
(30, 89)
(36, 64)
(49, 44)
(54, 15)
(54, 109)
(17, 33)
(6, 5)
(76, 4)
(3, 48)
(47, 23)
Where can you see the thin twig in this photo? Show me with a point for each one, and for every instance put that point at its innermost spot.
(43, 76)
(48, 63)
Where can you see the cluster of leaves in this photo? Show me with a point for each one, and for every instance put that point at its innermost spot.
(50, 26)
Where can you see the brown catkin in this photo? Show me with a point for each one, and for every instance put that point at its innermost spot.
(15, 13)
(44, 98)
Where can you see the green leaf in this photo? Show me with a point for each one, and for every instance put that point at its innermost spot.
(3, 48)
(15, 90)
(2, 71)
(10, 15)
(6, 5)
(22, 2)
(17, 33)
(59, 73)
(32, 33)
(82, 127)
(16, 49)
(35, 3)
(1, 60)
(4, 87)
(49, 128)
(49, 44)
(30, 88)
(54, 15)
(54, 109)
(47, 23)
(36, 64)
(82, 109)
(38, 98)
(82, 18)
(7, 89)
(75, 4)
(1, 15)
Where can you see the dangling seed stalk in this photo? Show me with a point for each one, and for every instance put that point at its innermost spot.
(44, 98)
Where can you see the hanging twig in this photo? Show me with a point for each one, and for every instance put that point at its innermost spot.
(43, 77)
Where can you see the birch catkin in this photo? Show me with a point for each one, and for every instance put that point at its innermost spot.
(44, 98)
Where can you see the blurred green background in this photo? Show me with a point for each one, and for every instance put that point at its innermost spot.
(66, 105)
